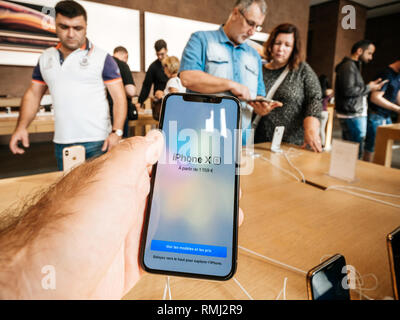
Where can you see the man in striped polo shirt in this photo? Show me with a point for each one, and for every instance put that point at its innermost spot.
(77, 74)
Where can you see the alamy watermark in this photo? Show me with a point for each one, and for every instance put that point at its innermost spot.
(49, 280)
(349, 20)
(48, 21)
(207, 149)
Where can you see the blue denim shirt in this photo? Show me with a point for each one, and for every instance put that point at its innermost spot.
(212, 52)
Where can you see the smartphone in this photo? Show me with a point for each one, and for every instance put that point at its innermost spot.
(328, 281)
(393, 245)
(72, 157)
(277, 139)
(261, 99)
(190, 227)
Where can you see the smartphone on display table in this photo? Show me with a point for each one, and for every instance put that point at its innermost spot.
(277, 139)
(191, 221)
(393, 245)
(328, 281)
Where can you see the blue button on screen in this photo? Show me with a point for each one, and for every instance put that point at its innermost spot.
(189, 248)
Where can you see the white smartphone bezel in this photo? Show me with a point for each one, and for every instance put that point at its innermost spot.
(277, 139)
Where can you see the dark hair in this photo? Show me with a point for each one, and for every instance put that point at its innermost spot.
(363, 44)
(120, 49)
(296, 57)
(323, 80)
(70, 9)
(160, 44)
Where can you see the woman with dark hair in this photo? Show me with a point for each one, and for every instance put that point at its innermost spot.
(299, 91)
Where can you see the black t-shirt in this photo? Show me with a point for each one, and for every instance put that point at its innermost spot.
(155, 75)
(127, 78)
(391, 90)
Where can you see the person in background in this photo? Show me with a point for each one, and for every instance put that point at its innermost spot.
(383, 103)
(221, 62)
(327, 95)
(155, 75)
(121, 58)
(171, 68)
(300, 92)
(77, 74)
(351, 103)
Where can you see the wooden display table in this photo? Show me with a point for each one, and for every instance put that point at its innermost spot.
(298, 225)
(10, 102)
(385, 136)
(315, 167)
(286, 220)
(45, 123)
(42, 123)
(144, 123)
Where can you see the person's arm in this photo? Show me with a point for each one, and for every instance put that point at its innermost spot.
(312, 105)
(262, 108)
(120, 109)
(398, 98)
(347, 78)
(86, 228)
(146, 86)
(80, 239)
(130, 90)
(29, 107)
(193, 76)
(202, 82)
(113, 81)
(173, 90)
(127, 79)
(378, 98)
(312, 134)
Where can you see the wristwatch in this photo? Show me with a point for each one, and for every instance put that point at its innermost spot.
(118, 132)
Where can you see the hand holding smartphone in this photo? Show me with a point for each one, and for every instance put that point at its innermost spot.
(262, 99)
(377, 84)
(191, 218)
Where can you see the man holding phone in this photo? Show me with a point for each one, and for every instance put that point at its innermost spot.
(383, 104)
(222, 62)
(351, 93)
(76, 73)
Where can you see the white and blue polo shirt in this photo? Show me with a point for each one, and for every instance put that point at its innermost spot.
(77, 87)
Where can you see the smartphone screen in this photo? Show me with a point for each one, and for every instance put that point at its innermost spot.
(191, 221)
(394, 260)
(328, 281)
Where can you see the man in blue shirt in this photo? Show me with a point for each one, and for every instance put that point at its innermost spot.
(382, 104)
(222, 62)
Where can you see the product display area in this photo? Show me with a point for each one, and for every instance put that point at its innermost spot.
(200, 150)
(44, 122)
(289, 228)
